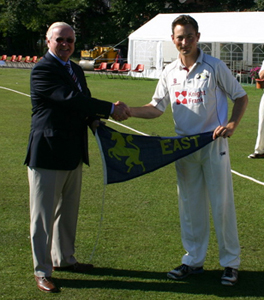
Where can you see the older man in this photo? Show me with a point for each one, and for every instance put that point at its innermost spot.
(62, 108)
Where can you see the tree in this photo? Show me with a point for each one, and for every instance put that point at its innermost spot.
(259, 5)
(92, 24)
(210, 6)
(23, 23)
(129, 15)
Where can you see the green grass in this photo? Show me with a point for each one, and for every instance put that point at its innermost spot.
(140, 235)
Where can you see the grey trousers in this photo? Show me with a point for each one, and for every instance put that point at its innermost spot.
(54, 205)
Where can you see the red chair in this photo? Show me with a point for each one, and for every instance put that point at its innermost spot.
(27, 59)
(34, 59)
(26, 62)
(3, 60)
(114, 68)
(12, 59)
(102, 68)
(9, 62)
(19, 58)
(4, 57)
(139, 69)
(125, 69)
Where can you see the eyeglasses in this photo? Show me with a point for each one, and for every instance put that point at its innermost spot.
(61, 40)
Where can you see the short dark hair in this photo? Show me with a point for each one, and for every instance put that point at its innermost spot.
(183, 20)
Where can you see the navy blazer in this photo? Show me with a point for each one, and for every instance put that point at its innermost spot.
(58, 136)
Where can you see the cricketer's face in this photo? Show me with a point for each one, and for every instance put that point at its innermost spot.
(185, 39)
(62, 42)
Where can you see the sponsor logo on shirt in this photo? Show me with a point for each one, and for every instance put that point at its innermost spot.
(174, 82)
(181, 97)
(203, 76)
(189, 97)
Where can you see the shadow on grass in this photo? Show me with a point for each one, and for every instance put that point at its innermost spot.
(250, 283)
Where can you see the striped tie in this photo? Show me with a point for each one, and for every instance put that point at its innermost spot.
(74, 77)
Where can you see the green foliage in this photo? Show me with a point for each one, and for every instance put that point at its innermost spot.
(23, 23)
(260, 5)
(210, 6)
(130, 15)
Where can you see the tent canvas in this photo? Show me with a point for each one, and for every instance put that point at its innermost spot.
(152, 45)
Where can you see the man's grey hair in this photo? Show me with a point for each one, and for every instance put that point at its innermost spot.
(55, 25)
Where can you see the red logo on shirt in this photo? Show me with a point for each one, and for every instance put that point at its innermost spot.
(181, 97)
(191, 97)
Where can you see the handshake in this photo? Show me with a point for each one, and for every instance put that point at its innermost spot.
(121, 111)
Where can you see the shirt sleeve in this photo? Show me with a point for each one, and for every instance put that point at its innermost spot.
(228, 83)
(161, 98)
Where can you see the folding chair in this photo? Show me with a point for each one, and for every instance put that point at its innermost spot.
(10, 61)
(139, 69)
(19, 58)
(3, 60)
(34, 59)
(4, 57)
(102, 68)
(124, 70)
(18, 61)
(114, 69)
(26, 61)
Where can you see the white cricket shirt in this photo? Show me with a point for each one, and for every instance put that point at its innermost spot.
(198, 98)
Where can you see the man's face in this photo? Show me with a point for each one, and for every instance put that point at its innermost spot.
(62, 42)
(185, 39)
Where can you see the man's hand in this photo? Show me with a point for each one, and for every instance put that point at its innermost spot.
(237, 113)
(121, 111)
(95, 124)
(223, 131)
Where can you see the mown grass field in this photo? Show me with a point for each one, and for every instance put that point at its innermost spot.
(139, 241)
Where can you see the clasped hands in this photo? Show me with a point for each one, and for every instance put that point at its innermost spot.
(121, 111)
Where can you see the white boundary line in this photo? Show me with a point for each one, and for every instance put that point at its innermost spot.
(132, 129)
(142, 133)
(5, 88)
(248, 177)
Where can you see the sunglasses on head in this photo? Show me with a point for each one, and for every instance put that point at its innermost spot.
(61, 40)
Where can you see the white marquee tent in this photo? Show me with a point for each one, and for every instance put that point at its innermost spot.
(152, 45)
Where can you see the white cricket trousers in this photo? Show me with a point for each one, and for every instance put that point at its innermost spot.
(259, 147)
(205, 177)
(54, 205)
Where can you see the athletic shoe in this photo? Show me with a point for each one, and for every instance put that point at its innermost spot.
(230, 276)
(183, 271)
(256, 155)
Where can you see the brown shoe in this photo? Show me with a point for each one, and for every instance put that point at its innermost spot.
(46, 284)
(77, 268)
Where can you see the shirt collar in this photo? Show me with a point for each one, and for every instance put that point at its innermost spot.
(198, 61)
(58, 59)
(200, 57)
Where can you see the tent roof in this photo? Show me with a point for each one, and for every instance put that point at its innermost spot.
(228, 27)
